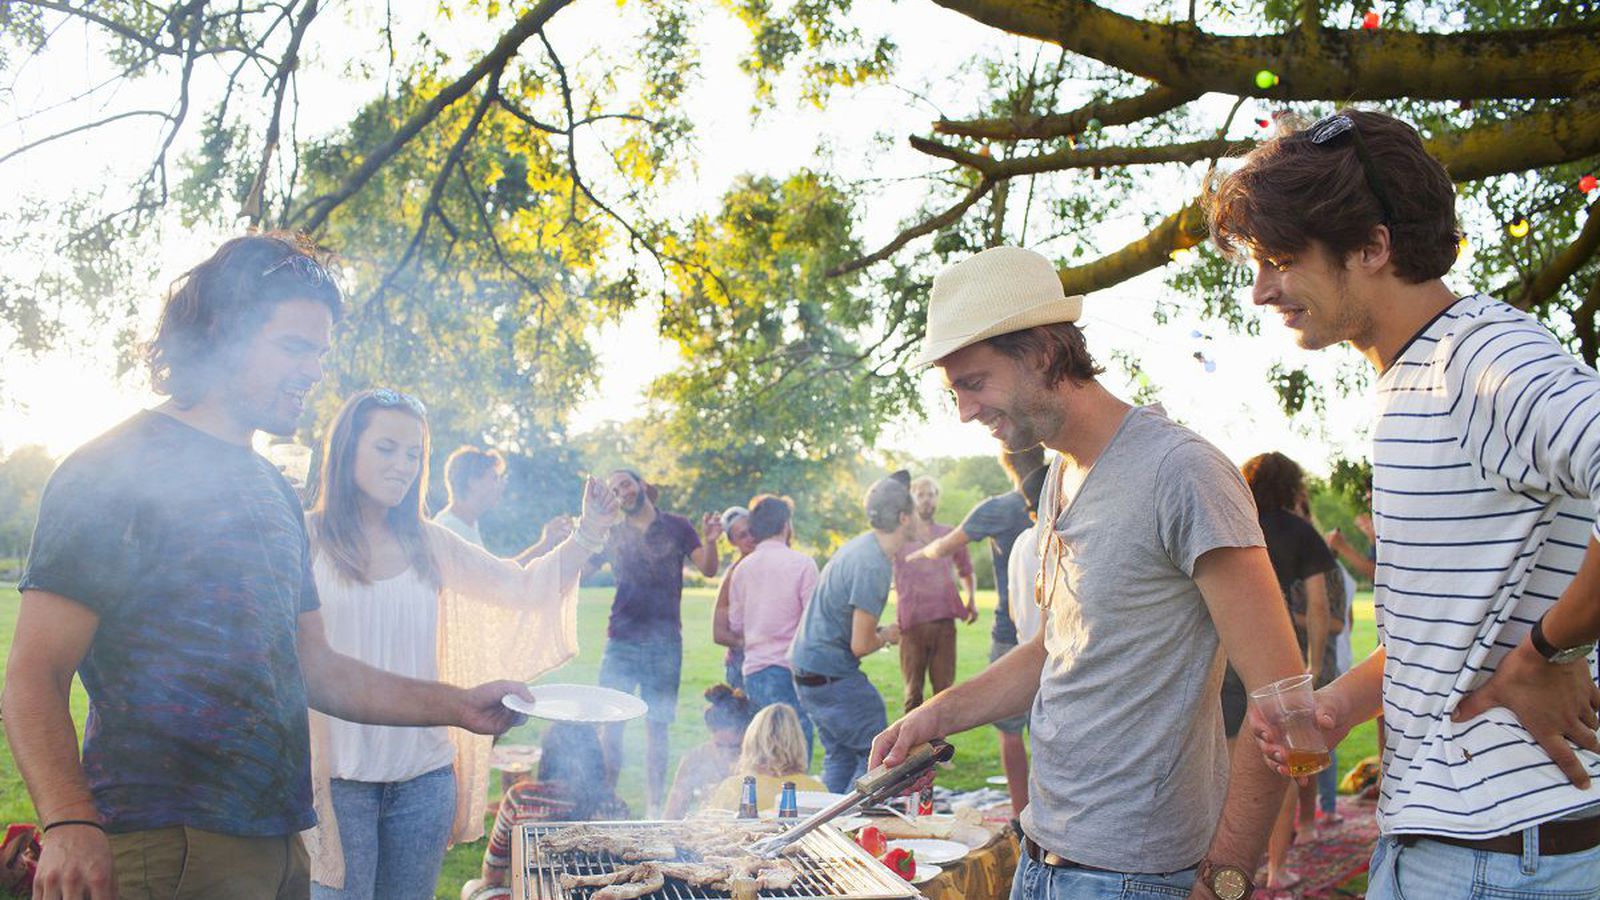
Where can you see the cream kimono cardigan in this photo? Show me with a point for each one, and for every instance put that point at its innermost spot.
(496, 620)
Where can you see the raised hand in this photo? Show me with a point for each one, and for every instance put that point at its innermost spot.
(710, 527)
(601, 509)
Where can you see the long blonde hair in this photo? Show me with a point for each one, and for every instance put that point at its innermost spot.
(773, 745)
(336, 519)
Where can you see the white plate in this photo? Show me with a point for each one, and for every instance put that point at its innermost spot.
(815, 801)
(932, 850)
(997, 779)
(577, 703)
(925, 872)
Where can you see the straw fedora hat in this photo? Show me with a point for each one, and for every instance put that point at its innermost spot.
(998, 291)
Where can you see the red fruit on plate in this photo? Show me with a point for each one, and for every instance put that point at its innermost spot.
(902, 862)
(872, 840)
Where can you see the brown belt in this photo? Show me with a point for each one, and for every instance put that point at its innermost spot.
(1557, 838)
(1054, 860)
(813, 680)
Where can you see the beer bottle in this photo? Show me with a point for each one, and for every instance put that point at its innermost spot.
(747, 798)
(925, 802)
(788, 804)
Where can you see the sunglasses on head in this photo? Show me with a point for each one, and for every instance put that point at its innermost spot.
(389, 398)
(1331, 128)
(301, 266)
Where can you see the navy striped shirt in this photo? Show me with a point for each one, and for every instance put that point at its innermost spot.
(1486, 458)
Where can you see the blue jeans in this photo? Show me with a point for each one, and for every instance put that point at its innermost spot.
(1036, 881)
(733, 668)
(848, 714)
(1431, 870)
(652, 667)
(775, 684)
(1328, 785)
(394, 834)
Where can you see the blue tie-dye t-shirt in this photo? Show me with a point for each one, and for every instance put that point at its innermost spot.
(193, 553)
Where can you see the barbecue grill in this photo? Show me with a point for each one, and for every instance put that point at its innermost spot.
(831, 867)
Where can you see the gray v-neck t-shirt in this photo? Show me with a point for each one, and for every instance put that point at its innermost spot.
(1130, 763)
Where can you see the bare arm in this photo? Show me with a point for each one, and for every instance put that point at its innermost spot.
(865, 635)
(721, 626)
(1242, 594)
(352, 690)
(1318, 620)
(943, 546)
(1006, 688)
(1352, 557)
(52, 635)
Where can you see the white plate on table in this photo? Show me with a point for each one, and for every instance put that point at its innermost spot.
(932, 850)
(809, 802)
(925, 872)
(577, 703)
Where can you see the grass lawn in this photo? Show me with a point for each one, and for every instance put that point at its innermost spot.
(977, 752)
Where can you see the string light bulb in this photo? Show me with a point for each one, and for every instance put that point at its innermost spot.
(1371, 21)
(1462, 246)
(1588, 183)
(1266, 78)
(1518, 227)
(1182, 255)
(1092, 125)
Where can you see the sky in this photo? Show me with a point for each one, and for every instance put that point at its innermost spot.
(66, 397)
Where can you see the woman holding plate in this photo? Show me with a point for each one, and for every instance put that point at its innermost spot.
(409, 596)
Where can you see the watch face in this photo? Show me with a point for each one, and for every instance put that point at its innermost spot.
(1571, 654)
(1228, 884)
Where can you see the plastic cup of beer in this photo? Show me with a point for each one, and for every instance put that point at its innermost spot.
(1290, 707)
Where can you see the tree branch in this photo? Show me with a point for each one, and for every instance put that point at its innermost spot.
(1343, 65)
(1184, 228)
(253, 205)
(1193, 151)
(1538, 290)
(910, 234)
(1153, 102)
(316, 213)
(84, 127)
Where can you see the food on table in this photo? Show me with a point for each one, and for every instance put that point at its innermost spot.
(872, 840)
(902, 862)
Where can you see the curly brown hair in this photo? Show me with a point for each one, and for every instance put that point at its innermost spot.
(215, 306)
(1276, 481)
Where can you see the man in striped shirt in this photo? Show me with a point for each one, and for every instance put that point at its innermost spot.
(1486, 470)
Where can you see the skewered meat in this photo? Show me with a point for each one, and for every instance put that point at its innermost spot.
(647, 879)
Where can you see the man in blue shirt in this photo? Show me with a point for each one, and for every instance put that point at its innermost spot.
(840, 626)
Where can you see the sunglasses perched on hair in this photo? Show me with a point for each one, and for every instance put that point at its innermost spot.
(301, 266)
(1331, 128)
(389, 398)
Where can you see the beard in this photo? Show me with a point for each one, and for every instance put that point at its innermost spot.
(636, 505)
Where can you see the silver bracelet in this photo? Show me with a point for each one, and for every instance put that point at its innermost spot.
(586, 542)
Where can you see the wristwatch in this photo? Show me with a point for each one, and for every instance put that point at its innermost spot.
(1227, 882)
(1554, 654)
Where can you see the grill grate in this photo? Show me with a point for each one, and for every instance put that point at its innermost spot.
(831, 867)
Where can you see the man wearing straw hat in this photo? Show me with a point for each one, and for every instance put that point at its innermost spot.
(1150, 554)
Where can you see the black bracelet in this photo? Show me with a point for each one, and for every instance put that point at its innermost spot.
(89, 822)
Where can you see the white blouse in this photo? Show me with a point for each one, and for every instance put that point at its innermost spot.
(391, 625)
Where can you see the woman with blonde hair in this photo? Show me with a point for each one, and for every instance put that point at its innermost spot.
(774, 751)
(406, 595)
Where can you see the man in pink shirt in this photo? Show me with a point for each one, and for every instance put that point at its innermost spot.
(767, 594)
(928, 602)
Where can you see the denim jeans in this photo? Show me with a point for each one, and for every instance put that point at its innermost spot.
(733, 668)
(848, 714)
(1036, 881)
(394, 834)
(775, 684)
(654, 668)
(1431, 870)
(1328, 785)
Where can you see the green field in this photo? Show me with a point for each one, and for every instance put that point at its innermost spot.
(977, 752)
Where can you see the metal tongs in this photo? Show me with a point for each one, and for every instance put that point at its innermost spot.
(874, 787)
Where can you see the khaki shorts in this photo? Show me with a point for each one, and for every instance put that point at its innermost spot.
(182, 862)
